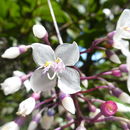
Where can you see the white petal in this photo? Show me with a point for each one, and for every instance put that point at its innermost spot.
(128, 62)
(123, 24)
(124, 19)
(39, 31)
(41, 82)
(69, 81)
(69, 53)
(42, 53)
(121, 44)
(128, 82)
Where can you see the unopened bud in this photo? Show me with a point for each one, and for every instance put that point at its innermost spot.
(10, 126)
(14, 52)
(39, 31)
(122, 107)
(124, 97)
(109, 108)
(116, 73)
(46, 121)
(81, 126)
(26, 107)
(112, 56)
(34, 123)
(11, 85)
(123, 68)
(67, 102)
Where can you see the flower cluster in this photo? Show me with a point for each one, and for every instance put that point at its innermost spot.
(56, 82)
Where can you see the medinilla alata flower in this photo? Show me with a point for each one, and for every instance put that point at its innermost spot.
(53, 65)
(123, 32)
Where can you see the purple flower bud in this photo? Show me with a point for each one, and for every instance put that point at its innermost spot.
(51, 112)
(116, 91)
(109, 108)
(123, 68)
(37, 118)
(116, 73)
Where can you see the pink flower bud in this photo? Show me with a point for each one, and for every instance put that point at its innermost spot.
(116, 73)
(123, 68)
(109, 108)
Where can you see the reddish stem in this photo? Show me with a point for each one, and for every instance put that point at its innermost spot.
(92, 89)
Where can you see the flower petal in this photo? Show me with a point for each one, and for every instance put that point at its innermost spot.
(121, 44)
(124, 24)
(40, 82)
(69, 81)
(69, 53)
(42, 53)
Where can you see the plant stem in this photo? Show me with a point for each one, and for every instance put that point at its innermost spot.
(55, 23)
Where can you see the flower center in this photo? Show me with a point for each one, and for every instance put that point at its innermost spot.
(127, 29)
(57, 67)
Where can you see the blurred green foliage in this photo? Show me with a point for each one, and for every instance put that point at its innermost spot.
(79, 20)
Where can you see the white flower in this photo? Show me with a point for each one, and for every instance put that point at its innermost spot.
(10, 126)
(39, 31)
(54, 65)
(14, 52)
(11, 85)
(26, 106)
(123, 32)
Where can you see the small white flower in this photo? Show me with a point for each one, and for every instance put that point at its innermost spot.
(39, 31)
(81, 126)
(26, 106)
(14, 52)
(123, 32)
(10, 126)
(54, 65)
(11, 85)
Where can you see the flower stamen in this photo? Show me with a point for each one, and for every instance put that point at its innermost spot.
(51, 77)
